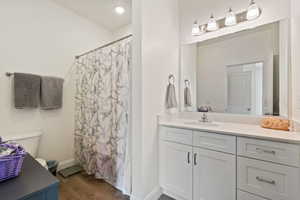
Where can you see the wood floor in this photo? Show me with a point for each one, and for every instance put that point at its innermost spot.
(84, 187)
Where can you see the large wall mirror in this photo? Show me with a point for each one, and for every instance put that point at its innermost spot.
(241, 73)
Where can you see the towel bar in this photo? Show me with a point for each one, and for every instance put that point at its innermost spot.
(8, 74)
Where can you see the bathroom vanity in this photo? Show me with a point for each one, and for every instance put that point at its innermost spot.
(34, 183)
(228, 161)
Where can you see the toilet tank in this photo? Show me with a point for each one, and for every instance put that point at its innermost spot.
(29, 140)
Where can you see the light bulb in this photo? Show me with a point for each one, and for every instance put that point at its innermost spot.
(195, 29)
(120, 10)
(253, 11)
(212, 24)
(230, 19)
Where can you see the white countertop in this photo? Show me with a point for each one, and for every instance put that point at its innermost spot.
(244, 130)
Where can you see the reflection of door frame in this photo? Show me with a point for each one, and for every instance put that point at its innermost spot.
(262, 87)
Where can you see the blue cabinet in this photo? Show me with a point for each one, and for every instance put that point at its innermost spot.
(50, 193)
(34, 183)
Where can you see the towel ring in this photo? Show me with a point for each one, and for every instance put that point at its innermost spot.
(171, 79)
(187, 83)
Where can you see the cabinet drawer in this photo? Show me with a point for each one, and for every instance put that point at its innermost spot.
(177, 135)
(283, 153)
(272, 181)
(213, 141)
(247, 196)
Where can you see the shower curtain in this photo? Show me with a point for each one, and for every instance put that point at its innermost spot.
(102, 105)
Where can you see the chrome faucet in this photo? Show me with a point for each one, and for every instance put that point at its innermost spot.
(204, 117)
(204, 110)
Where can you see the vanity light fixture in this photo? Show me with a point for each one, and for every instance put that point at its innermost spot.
(253, 11)
(230, 19)
(212, 24)
(196, 29)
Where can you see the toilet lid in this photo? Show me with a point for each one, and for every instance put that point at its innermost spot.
(42, 162)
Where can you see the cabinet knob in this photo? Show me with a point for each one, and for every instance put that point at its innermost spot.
(195, 159)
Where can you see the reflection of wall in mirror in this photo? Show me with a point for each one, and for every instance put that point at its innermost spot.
(189, 66)
(245, 47)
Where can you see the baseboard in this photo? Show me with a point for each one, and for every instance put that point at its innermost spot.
(172, 194)
(154, 194)
(65, 164)
(132, 197)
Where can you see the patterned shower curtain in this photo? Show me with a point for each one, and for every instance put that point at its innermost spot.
(102, 105)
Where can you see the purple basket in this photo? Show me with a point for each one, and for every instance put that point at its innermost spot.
(10, 166)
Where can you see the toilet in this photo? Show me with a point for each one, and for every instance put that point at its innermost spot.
(30, 141)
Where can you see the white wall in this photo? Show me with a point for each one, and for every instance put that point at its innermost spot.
(137, 88)
(160, 57)
(122, 32)
(40, 37)
(258, 45)
(159, 44)
(191, 10)
(295, 51)
(188, 72)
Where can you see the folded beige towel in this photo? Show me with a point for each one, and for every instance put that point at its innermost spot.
(276, 123)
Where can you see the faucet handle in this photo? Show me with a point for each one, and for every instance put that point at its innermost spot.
(203, 109)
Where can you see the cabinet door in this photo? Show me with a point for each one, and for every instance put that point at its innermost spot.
(176, 169)
(214, 175)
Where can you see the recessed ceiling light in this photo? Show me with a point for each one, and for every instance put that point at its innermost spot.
(120, 10)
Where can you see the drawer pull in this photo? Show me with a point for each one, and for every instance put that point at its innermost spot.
(195, 159)
(266, 151)
(260, 179)
(188, 158)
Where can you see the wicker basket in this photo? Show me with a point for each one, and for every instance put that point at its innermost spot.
(10, 166)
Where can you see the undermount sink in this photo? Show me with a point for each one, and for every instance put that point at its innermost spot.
(201, 123)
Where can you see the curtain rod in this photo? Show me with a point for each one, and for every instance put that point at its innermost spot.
(106, 45)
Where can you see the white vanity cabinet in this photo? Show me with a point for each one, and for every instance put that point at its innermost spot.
(190, 172)
(200, 165)
(176, 169)
(214, 175)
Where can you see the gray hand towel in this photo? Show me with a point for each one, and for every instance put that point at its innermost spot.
(171, 101)
(51, 93)
(27, 90)
(187, 97)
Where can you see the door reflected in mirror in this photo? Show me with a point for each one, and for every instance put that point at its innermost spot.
(245, 89)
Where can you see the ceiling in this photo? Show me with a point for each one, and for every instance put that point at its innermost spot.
(100, 12)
